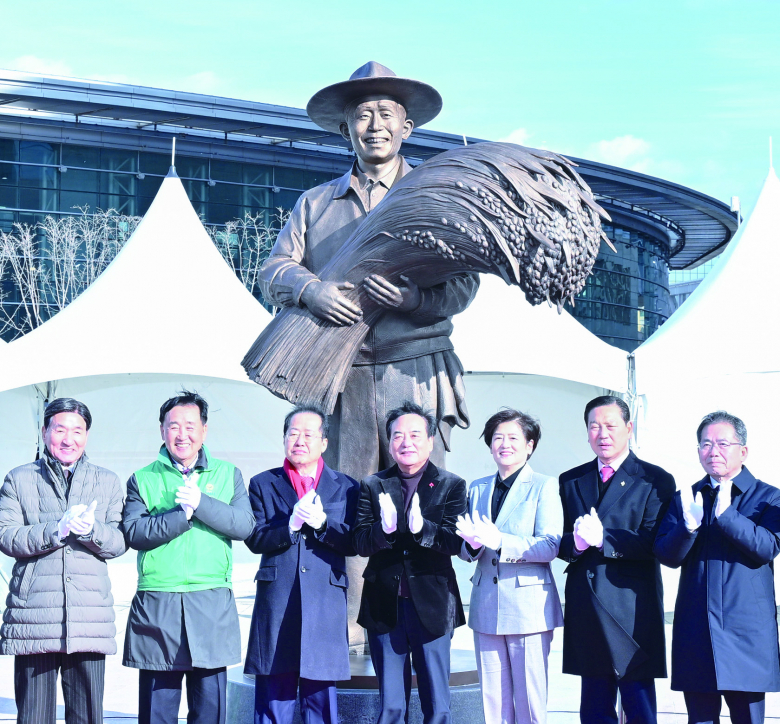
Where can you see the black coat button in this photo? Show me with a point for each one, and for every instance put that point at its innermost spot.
(591, 574)
(495, 579)
(495, 562)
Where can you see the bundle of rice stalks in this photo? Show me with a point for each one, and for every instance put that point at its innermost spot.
(494, 208)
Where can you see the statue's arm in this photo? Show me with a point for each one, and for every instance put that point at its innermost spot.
(283, 277)
(448, 298)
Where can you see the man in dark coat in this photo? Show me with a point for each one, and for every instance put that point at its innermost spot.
(304, 512)
(724, 532)
(613, 634)
(410, 604)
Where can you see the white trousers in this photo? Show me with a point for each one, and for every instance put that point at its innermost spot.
(513, 676)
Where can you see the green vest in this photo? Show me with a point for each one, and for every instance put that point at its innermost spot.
(199, 558)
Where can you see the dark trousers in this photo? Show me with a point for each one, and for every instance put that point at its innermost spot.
(159, 696)
(745, 707)
(35, 686)
(275, 699)
(599, 696)
(390, 654)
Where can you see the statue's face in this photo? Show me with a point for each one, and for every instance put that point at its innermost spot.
(376, 127)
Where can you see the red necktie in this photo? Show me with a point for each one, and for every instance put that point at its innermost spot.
(606, 474)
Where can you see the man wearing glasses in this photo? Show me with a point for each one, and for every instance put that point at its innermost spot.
(303, 518)
(723, 533)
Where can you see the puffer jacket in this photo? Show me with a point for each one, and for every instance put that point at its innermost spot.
(59, 598)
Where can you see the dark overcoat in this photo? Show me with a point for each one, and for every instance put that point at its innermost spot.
(614, 618)
(724, 636)
(299, 621)
(426, 557)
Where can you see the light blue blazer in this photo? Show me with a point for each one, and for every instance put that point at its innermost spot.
(514, 591)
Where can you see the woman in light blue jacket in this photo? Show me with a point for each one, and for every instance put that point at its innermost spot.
(513, 530)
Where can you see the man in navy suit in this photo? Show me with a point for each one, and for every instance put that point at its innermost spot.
(304, 513)
(613, 632)
(724, 532)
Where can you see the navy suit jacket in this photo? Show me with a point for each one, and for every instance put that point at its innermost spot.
(724, 636)
(299, 622)
(614, 617)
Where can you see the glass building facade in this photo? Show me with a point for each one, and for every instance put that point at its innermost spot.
(627, 297)
(39, 178)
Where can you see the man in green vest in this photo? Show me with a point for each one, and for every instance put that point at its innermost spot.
(181, 514)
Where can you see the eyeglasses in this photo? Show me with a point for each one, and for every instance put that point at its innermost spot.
(722, 445)
(293, 435)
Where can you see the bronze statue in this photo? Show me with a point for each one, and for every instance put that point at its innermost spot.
(368, 298)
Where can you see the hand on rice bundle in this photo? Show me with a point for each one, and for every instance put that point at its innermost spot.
(495, 208)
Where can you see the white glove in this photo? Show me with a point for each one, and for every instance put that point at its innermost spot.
(724, 498)
(83, 524)
(64, 524)
(488, 534)
(466, 529)
(318, 515)
(591, 530)
(302, 511)
(692, 510)
(415, 515)
(388, 513)
(188, 495)
(579, 542)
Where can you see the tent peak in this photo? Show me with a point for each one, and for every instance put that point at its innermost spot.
(172, 173)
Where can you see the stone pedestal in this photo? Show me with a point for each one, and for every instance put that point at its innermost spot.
(358, 698)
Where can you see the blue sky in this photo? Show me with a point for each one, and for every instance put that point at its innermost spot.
(686, 90)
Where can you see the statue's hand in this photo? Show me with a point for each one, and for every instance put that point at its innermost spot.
(325, 300)
(403, 299)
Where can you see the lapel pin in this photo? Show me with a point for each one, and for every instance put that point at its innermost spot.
(622, 483)
(430, 485)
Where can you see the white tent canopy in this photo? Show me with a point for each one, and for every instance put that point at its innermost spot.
(720, 350)
(167, 303)
(501, 332)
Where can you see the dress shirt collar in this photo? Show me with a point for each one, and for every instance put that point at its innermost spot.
(615, 464)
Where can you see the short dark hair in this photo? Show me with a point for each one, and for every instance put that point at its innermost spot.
(532, 430)
(411, 408)
(315, 410)
(185, 397)
(66, 404)
(606, 401)
(722, 416)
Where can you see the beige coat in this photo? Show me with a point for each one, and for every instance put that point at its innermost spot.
(513, 591)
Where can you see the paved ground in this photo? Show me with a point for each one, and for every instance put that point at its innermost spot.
(121, 695)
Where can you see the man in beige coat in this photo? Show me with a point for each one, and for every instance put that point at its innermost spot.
(513, 530)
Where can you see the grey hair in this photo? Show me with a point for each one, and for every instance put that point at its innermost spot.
(722, 416)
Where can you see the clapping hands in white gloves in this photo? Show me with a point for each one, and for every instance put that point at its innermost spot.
(588, 531)
(317, 516)
(65, 523)
(84, 523)
(692, 510)
(415, 515)
(388, 513)
(487, 534)
(188, 495)
(724, 498)
(302, 511)
(466, 529)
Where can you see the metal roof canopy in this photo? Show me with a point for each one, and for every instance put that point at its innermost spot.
(707, 224)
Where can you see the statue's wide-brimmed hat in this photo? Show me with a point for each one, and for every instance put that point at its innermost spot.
(421, 101)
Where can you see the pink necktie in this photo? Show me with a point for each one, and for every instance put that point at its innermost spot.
(606, 473)
(308, 484)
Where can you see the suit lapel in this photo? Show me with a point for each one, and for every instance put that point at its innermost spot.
(285, 490)
(621, 483)
(516, 494)
(328, 487)
(588, 486)
(427, 486)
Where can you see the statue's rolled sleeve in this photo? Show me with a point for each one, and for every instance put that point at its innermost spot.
(448, 298)
(283, 277)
